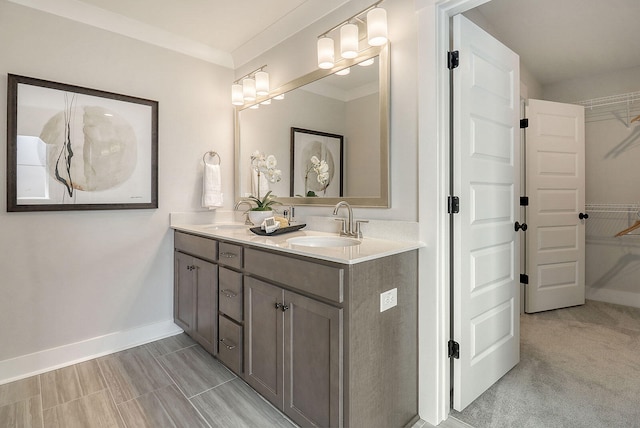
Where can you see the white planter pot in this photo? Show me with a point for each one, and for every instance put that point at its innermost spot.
(257, 217)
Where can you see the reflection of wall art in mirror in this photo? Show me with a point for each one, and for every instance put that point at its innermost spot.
(73, 148)
(316, 163)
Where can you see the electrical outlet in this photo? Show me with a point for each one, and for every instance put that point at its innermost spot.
(388, 299)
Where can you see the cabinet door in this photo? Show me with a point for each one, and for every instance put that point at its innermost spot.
(206, 316)
(263, 339)
(313, 354)
(183, 292)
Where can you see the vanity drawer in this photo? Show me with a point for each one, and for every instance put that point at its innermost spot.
(315, 278)
(230, 255)
(230, 344)
(230, 296)
(196, 245)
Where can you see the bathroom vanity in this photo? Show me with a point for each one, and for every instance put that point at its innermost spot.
(302, 324)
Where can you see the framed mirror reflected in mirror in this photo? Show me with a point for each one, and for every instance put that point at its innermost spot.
(329, 136)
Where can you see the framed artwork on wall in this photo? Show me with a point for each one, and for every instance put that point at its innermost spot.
(316, 163)
(74, 148)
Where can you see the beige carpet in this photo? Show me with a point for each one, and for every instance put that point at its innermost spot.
(579, 367)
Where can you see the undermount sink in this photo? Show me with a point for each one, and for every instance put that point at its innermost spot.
(323, 241)
(229, 226)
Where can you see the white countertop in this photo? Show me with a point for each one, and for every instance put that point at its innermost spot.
(369, 248)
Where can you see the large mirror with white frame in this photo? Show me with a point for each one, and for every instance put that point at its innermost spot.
(329, 136)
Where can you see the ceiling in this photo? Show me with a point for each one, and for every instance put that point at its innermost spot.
(559, 40)
(556, 40)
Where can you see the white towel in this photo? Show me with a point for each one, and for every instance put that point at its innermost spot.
(211, 187)
(264, 184)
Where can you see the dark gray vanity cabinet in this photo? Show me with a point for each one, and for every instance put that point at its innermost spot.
(293, 353)
(196, 289)
(307, 334)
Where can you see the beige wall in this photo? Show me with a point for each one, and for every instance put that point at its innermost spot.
(67, 277)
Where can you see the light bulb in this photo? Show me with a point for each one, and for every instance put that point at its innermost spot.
(326, 52)
(377, 26)
(262, 83)
(349, 41)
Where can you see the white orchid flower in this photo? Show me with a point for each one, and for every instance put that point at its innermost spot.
(271, 161)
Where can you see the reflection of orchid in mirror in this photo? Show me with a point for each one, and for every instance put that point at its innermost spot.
(265, 165)
(321, 168)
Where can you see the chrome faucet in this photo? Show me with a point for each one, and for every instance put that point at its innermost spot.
(237, 205)
(347, 226)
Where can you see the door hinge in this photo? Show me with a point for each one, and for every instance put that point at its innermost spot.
(524, 278)
(454, 349)
(453, 60)
(454, 205)
(524, 123)
(524, 201)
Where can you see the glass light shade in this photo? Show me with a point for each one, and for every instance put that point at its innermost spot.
(249, 89)
(237, 97)
(377, 26)
(344, 71)
(349, 41)
(262, 83)
(326, 52)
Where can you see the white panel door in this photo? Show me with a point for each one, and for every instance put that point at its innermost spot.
(486, 162)
(555, 186)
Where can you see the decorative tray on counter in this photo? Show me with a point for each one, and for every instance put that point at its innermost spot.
(279, 231)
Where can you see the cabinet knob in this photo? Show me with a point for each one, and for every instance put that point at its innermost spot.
(583, 216)
(228, 293)
(285, 307)
(278, 305)
(228, 255)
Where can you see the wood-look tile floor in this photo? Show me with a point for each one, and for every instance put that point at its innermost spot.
(169, 383)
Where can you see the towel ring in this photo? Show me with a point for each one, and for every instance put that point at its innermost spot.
(212, 154)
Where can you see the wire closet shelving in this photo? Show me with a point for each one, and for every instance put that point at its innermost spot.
(602, 108)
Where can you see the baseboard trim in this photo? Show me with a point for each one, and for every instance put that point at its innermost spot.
(624, 298)
(452, 422)
(50, 359)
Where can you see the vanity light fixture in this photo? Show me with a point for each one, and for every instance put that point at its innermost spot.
(349, 41)
(377, 26)
(262, 83)
(237, 97)
(376, 22)
(250, 86)
(326, 55)
(249, 89)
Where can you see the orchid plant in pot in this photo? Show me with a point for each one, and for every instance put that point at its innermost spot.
(263, 166)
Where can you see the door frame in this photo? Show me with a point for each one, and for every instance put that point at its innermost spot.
(434, 377)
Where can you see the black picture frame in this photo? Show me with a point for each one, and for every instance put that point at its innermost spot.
(75, 148)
